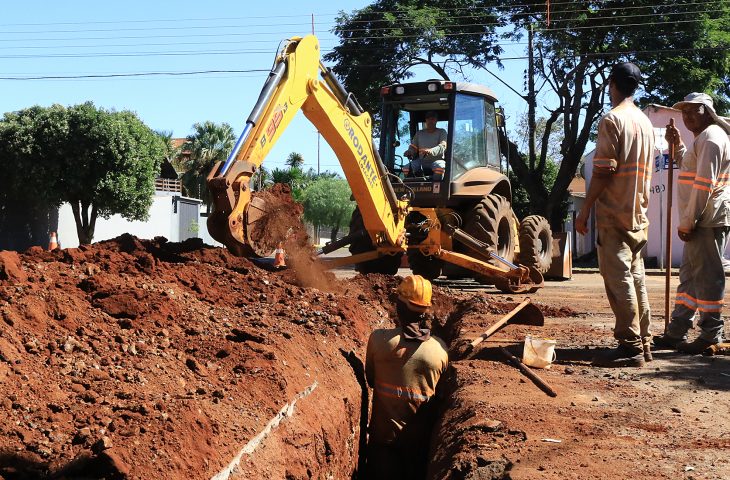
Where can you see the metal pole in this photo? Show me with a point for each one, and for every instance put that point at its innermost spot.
(668, 260)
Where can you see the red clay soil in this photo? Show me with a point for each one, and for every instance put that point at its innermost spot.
(281, 222)
(153, 360)
(667, 420)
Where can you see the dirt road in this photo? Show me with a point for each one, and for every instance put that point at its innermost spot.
(669, 419)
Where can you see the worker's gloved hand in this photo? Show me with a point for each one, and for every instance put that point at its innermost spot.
(408, 154)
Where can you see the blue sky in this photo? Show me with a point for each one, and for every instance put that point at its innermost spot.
(77, 38)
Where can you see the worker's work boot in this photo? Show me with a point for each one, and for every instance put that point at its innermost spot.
(695, 347)
(621, 356)
(665, 342)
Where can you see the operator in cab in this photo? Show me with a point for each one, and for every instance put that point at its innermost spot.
(427, 149)
(403, 366)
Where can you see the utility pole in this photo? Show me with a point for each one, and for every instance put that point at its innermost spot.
(531, 100)
(319, 136)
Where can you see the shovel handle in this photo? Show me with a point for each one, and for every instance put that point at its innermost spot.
(499, 324)
(541, 384)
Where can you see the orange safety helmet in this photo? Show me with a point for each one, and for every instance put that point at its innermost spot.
(415, 291)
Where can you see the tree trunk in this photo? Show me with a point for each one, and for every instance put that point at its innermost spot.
(333, 233)
(85, 224)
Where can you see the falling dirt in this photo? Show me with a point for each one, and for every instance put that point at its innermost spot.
(280, 220)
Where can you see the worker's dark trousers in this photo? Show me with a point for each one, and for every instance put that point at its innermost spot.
(701, 285)
(622, 269)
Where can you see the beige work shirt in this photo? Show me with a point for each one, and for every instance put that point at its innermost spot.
(403, 374)
(625, 151)
(702, 184)
(435, 141)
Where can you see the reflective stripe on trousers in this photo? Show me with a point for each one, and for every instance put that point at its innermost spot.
(701, 285)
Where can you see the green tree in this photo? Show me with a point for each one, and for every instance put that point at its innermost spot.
(101, 162)
(32, 142)
(261, 179)
(681, 48)
(380, 43)
(296, 178)
(327, 204)
(295, 160)
(209, 143)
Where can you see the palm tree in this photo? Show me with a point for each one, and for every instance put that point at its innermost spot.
(261, 179)
(295, 160)
(209, 143)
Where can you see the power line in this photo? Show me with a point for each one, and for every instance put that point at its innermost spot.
(557, 20)
(237, 52)
(135, 74)
(621, 53)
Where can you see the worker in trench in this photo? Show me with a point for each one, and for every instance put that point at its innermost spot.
(403, 366)
(704, 225)
(619, 188)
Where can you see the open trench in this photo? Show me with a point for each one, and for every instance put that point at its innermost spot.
(137, 359)
(331, 429)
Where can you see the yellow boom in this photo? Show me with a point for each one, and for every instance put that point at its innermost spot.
(300, 81)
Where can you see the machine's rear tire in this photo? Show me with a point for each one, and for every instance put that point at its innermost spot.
(536, 243)
(429, 267)
(387, 264)
(490, 221)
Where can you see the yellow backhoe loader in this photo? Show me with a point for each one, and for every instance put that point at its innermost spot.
(459, 226)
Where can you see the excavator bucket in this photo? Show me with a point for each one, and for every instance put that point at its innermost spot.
(531, 284)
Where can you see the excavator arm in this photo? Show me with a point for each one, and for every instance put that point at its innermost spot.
(299, 81)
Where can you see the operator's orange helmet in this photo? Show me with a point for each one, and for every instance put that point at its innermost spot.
(415, 291)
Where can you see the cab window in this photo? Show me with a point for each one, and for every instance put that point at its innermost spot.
(469, 134)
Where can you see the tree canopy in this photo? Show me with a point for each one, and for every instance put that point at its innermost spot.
(380, 43)
(101, 162)
(209, 143)
(327, 203)
(681, 47)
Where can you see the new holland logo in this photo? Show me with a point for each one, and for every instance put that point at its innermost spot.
(366, 165)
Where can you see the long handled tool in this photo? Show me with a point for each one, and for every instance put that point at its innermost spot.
(668, 260)
(523, 314)
(541, 384)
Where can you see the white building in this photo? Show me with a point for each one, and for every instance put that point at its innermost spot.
(171, 215)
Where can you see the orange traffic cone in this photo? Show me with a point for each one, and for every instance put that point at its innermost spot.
(279, 256)
(53, 243)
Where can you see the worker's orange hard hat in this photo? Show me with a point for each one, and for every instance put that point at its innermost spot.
(415, 291)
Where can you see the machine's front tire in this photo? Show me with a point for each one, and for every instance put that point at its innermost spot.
(387, 264)
(536, 243)
(490, 221)
(429, 267)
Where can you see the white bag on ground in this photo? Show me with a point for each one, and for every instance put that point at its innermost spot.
(538, 352)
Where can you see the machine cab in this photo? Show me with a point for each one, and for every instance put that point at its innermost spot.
(467, 113)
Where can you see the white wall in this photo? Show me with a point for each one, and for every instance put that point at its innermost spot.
(162, 222)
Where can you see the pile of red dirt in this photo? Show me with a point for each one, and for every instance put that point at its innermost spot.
(147, 359)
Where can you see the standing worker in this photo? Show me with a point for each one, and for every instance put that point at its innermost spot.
(619, 188)
(704, 223)
(403, 366)
(427, 149)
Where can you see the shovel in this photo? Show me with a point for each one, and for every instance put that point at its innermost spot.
(525, 313)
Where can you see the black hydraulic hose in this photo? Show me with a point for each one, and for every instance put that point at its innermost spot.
(272, 82)
(346, 240)
(348, 100)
